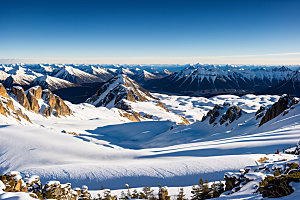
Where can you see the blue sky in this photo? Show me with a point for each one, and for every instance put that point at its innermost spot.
(170, 31)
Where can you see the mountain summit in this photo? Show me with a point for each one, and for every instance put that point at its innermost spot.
(133, 101)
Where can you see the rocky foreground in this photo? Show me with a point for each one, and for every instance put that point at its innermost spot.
(270, 178)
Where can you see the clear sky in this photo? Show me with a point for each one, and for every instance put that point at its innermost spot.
(152, 31)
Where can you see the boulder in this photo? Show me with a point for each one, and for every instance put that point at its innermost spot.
(13, 182)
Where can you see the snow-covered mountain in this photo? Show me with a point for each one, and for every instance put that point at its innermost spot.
(51, 83)
(20, 76)
(75, 75)
(290, 86)
(208, 81)
(135, 102)
(97, 71)
(142, 76)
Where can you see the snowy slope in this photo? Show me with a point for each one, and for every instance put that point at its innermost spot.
(22, 76)
(144, 153)
(52, 83)
(194, 108)
(75, 75)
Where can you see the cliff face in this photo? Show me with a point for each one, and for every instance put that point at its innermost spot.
(56, 104)
(20, 95)
(281, 106)
(35, 100)
(7, 107)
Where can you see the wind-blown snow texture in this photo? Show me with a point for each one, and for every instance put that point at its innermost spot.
(144, 153)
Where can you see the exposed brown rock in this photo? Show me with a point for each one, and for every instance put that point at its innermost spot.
(47, 112)
(36, 91)
(55, 103)
(3, 91)
(21, 97)
(61, 108)
(184, 121)
(10, 104)
(13, 183)
(160, 104)
(2, 109)
(34, 104)
(132, 117)
(130, 96)
(24, 116)
(71, 133)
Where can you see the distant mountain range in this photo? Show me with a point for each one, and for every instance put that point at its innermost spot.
(193, 80)
(210, 81)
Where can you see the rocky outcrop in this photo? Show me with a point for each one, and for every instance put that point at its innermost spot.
(36, 92)
(34, 104)
(284, 103)
(41, 101)
(7, 107)
(13, 182)
(20, 96)
(56, 104)
(134, 117)
(3, 92)
(233, 113)
(223, 114)
(184, 121)
(160, 104)
(35, 100)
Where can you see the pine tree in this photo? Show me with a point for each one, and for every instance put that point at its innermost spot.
(148, 192)
(181, 195)
(213, 190)
(205, 190)
(196, 192)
